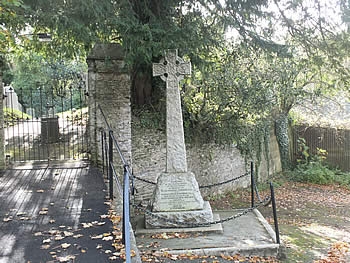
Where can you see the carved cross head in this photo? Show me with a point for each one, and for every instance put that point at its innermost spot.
(171, 67)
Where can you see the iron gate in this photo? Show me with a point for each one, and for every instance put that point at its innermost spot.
(45, 124)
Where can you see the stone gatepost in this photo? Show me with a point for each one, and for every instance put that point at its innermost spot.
(2, 134)
(109, 86)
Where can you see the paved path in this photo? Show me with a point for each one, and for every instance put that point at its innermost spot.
(40, 206)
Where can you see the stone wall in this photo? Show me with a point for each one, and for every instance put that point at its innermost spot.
(11, 99)
(210, 163)
(109, 87)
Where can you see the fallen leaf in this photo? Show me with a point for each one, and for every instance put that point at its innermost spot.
(46, 240)
(45, 247)
(65, 245)
(68, 234)
(115, 219)
(97, 237)
(66, 258)
(53, 232)
(87, 225)
(21, 213)
(108, 238)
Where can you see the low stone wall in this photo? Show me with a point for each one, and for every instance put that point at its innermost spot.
(209, 162)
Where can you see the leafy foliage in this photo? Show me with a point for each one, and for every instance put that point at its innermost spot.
(36, 77)
(11, 116)
(237, 91)
(10, 22)
(313, 169)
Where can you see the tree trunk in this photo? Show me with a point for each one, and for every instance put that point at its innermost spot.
(281, 129)
(142, 88)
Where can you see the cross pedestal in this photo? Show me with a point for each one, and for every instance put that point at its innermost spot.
(176, 197)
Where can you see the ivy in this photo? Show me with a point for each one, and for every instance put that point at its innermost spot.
(282, 128)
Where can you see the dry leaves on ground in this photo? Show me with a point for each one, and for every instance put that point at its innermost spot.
(336, 253)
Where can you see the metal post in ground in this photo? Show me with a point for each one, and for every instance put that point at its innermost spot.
(106, 151)
(110, 164)
(103, 152)
(274, 213)
(252, 183)
(126, 215)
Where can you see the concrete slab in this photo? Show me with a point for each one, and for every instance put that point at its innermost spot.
(248, 235)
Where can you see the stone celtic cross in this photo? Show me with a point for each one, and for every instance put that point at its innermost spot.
(172, 69)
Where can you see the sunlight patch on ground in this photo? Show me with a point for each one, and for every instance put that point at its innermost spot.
(7, 243)
(326, 231)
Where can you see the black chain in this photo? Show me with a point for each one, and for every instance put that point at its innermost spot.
(225, 182)
(244, 212)
(144, 180)
(201, 186)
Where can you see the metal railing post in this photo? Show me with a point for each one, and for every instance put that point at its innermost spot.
(103, 152)
(252, 183)
(273, 201)
(126, 215)
(126, 189)
(110, 164)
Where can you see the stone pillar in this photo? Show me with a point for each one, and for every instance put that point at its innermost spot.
(109, 86)
(2, 134)
(176, 197)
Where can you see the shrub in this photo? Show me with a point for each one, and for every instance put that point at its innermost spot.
(313, 169)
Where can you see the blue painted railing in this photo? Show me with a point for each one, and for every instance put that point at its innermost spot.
(108, 159)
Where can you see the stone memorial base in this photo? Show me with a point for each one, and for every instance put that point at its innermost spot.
(180, 219)
(177, 202)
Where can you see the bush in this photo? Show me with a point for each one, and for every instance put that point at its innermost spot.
(313, 169)
(11, 116)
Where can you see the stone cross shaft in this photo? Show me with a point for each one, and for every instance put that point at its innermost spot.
(172, 69)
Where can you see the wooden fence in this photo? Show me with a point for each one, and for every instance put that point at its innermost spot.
(335, 141)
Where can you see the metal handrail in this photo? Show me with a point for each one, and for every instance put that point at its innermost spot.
(112, 175)
(114, 139)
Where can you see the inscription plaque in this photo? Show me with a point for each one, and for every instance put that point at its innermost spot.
(177, 192)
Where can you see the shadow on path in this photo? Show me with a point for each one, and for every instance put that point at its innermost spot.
(42, 211)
